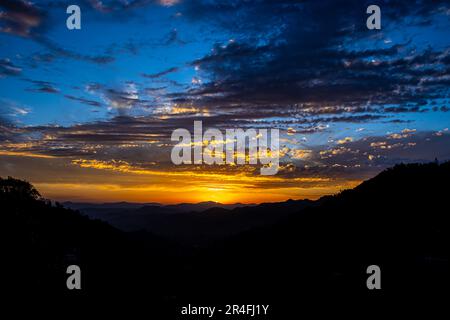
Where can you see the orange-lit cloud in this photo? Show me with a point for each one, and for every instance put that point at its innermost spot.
(95, 180)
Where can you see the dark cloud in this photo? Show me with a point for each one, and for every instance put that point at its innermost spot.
(46, 57)
(61, 52)
(20, 17)
(156, 131)
(10, 113)
(84, 100)
(160, 74)
(130, 46)
(303, 54)
(172, 38)
(120, 98)
(123, 99)
(7, 68)
(109, 6)
(113, 6)
(43, 86)
(267, 75)
(402, 109)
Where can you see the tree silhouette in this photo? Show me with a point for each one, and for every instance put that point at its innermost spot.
(17, 190)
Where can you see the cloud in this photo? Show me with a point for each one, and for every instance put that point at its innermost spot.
(345, 140)
(297, 68)
(384, 152)
(42, 86)
(7, 68)
(20, 17)
(173, 38)
(407, 131)
(85, 101)
(110, 6)
(122, 99)
(160, 74)
(61, 52)
(300, 153)
(168, 3)
(10, 113)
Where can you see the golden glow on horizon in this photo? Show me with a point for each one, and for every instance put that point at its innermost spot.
(25, 154)
(64, 179)
(112, 193)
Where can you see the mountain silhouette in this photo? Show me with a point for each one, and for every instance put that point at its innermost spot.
(304, 250)
(194, 224)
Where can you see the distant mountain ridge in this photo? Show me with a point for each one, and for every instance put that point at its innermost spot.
(180, 207)
(192, 223)
(110, 205)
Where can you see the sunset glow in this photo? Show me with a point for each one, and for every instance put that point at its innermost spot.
(88, 114)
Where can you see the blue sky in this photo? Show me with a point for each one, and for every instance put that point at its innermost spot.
(149, 44)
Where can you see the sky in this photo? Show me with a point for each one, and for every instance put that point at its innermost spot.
(87, 115)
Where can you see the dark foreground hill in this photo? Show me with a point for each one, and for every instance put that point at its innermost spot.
(398, 220)
(41, 240)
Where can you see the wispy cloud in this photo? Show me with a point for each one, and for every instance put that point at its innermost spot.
(7, 68)
(160, 74)
(43, 86)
